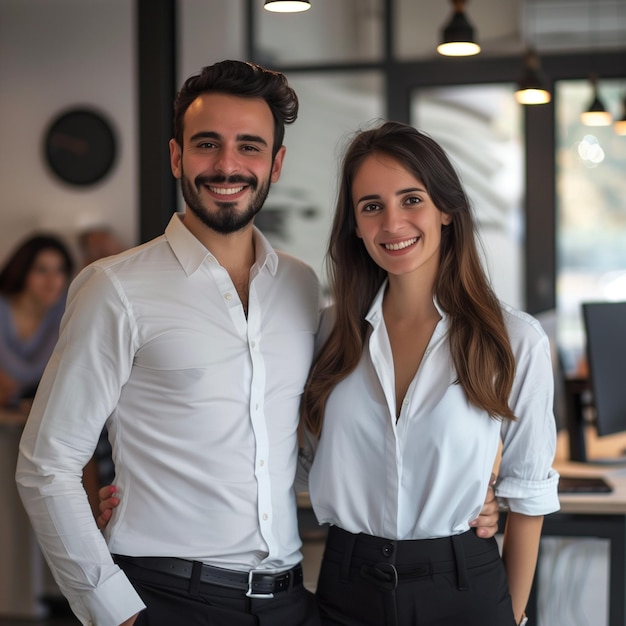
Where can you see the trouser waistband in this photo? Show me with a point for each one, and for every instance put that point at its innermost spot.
(388, 562)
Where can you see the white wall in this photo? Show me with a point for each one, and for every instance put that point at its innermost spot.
(56, 54)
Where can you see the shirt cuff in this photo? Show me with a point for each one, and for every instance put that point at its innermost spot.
(111, 604)
(529, 497)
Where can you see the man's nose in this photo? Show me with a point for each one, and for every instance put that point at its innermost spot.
(227, 161)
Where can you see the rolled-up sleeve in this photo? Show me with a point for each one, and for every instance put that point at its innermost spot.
(527, 482)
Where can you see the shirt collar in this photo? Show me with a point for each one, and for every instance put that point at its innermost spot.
(375, 313)
(191, 253)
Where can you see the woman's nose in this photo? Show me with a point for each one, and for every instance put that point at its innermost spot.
(392, 219)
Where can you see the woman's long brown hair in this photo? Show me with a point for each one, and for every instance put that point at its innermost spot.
(479, 342)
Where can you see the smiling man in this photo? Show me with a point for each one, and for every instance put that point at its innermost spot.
(193, 350)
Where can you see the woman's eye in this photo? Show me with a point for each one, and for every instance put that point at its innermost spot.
(413, 200)
(368, 208)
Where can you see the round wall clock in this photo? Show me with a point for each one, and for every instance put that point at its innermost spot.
(80, 146)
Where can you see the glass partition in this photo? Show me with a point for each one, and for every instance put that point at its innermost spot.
(480, 127)
(331, 31)
(591, 210)
(298, 211)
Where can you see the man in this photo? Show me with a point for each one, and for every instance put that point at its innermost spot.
(97, 242)
(193, 349)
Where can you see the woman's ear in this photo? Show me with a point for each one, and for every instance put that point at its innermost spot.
(446, 219)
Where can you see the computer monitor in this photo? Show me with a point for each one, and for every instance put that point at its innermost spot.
(605, 328)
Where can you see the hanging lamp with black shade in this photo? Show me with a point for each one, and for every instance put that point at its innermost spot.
(532, 86)
(287, 6)
(596, 113)
(457, 37)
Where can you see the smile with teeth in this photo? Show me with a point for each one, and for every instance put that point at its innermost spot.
(400, 245)
(226, 191)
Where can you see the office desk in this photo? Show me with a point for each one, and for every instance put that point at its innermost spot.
(594, 515)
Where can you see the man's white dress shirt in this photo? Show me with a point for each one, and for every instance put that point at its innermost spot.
(426, 475)
(201, 405)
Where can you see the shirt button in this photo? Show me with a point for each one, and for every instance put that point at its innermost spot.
(261, 463)
(253, 344)
(228, 296)
(265, 517)
(387, 549)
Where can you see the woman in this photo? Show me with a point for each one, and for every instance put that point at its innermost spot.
(422, 374)
(33, 284)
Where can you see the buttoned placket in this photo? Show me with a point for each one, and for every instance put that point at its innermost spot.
(250, 330)
(257, 415)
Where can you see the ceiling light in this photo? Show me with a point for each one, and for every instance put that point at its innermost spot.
(531, 87)
(287, 6)
(596, 113)
(457, 38)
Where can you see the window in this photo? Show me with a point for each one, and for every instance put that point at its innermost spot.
(591, 210)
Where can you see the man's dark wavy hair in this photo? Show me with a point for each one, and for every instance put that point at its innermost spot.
(246, 80)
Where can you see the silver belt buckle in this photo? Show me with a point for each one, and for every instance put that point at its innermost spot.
(251, 594)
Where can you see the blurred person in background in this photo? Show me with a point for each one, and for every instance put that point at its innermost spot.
(97, 242)
(33, 285)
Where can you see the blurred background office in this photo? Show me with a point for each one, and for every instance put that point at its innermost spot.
(86, 88)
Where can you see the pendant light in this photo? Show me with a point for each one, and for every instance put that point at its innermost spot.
(531, 86)
(457, 38)
(596, 113)
(287, 6)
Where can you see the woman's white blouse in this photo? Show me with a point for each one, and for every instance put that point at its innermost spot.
(427, 475)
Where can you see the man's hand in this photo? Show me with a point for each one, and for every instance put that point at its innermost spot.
(108, 502)
(486, 524)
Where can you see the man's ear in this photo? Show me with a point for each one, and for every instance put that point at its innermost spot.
(175, 158)
(277, 165)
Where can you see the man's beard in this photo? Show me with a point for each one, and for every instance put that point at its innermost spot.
(227, 219)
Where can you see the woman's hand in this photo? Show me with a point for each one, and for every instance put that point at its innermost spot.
(108, 502)
(486, 524)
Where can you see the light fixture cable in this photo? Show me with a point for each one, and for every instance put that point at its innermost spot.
(532, 85)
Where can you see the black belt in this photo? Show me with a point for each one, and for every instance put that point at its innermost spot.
(256, 583)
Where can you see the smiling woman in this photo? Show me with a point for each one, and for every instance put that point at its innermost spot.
(422, 374)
